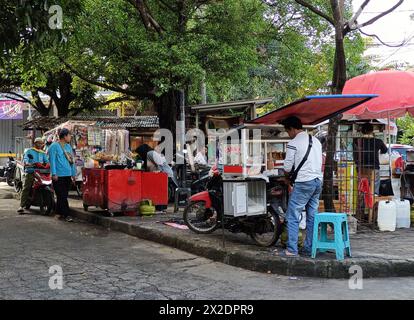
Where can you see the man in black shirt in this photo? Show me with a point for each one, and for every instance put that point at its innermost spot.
(366, 152)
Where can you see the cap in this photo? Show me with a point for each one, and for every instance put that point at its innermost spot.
(38, 140)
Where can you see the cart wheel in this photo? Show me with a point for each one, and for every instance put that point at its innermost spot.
(199, 219)
(272, 232)
(85, 207)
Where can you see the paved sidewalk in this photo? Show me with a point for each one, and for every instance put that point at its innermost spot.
(380, 254)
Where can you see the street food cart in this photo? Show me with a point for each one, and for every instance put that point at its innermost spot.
(261, 155)
(107, 176)
(121, 190)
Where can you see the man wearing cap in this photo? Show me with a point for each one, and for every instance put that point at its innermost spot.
(63, 170)
(31, 156)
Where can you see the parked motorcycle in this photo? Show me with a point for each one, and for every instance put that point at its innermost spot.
(195, 180)
(41, 193)
(204, 214)
(9, 170)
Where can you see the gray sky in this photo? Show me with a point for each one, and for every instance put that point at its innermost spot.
(393, 28)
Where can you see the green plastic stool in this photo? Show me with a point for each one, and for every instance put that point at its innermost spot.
(341, 234)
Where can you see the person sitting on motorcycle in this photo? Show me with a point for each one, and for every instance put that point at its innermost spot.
(201, 158)
(153, 160)
(31, 157)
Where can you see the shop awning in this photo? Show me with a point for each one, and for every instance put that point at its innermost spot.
(315, 109)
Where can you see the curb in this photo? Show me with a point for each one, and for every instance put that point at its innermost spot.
(7, 196)
(305, 267)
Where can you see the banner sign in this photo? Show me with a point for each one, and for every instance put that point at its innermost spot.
(11, 110)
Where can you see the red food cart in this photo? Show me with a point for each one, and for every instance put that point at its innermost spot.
(121, 190)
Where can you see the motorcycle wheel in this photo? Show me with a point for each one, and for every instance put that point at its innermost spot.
(199, 219)
(10, 182)
(48, 203)
(275, 230)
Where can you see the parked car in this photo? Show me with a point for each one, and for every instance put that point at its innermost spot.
(401, 149)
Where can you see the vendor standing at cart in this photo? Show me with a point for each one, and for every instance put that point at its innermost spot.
(303, 159)
(63, 170)
(31, 157)
(366, 156)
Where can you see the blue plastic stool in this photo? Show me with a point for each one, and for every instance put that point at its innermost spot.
(341, 234)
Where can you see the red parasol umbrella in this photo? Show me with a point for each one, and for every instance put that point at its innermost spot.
(395, 90)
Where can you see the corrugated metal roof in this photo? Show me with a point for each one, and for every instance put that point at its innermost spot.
(47, 123)
(230, 104)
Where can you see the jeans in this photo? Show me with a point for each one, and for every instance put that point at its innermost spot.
(61, 187)
(304, 195)
(377, 181)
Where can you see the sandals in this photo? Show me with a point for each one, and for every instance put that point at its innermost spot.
(285, 254)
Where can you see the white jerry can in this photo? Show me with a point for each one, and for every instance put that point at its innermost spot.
(403, 208)
(387, 215)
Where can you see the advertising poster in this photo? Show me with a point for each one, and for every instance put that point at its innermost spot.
(11, 110)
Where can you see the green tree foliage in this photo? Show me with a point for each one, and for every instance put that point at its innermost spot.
(30, 32)
(297, 59)
(28, 22)
(40, 72)
(406, 126)
(218, 38)
(148, 50)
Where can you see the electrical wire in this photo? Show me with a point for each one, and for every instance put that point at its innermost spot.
(398, 49)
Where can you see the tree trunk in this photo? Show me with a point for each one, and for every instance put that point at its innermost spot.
(66, 94)
(338, 83)
(167, 106)
(40, 106)
(62, 106)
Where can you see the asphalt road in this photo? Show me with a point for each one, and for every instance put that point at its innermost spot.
(101, 264)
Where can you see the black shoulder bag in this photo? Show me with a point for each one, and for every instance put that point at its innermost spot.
(294, 172)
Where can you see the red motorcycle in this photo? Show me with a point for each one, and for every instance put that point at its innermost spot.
(204, 214)
(41, 193)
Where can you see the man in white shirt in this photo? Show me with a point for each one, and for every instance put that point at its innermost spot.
(307, 187)
(200, 157)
